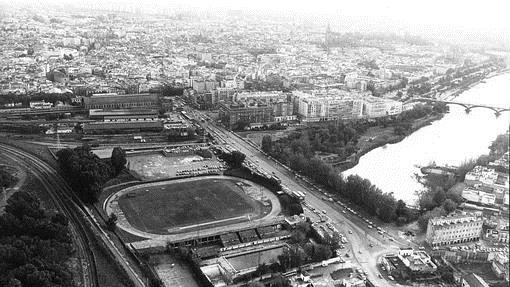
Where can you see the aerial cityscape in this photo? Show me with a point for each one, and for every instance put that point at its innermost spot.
(250, 144)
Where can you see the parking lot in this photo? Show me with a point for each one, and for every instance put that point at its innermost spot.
(157, 166)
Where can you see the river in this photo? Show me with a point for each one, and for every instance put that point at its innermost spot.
(457, 137)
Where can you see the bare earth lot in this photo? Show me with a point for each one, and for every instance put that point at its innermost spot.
(156, 209)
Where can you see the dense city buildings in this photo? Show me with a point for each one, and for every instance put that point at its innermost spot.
(452, 229)
(164, 130)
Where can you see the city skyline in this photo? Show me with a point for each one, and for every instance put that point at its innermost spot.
(466, 21)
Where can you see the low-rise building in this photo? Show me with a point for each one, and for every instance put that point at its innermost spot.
(115, 101)
(457, 228)
(416, 260)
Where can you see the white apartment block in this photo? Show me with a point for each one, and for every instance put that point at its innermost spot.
(318, 106)
(453, 229)
(478, 196)
(374, 107)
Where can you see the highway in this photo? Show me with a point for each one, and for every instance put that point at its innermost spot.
(361, 236)
(81, 220)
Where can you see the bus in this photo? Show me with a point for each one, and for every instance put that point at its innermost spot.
(275, 178)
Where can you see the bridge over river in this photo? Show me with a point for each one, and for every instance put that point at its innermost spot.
(467, 106)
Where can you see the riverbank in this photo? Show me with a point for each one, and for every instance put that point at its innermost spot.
(455, 92)
(383, 136)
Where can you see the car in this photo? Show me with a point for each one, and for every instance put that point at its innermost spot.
(391, 278)
(350, 231)
(379, 275)
(371, 245)
(370, 227)
(324, 211)
(343, 211)
(359, 251)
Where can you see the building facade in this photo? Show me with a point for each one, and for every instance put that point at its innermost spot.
(114, 101)
(315, 106)
(233, 114)
(453, 229)
(374, 107)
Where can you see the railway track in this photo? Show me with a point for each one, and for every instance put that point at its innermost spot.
(78, 214)
(78, 227)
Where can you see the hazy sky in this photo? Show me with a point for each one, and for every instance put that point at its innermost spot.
(477, 16)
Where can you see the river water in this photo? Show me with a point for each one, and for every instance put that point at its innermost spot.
(455, 138)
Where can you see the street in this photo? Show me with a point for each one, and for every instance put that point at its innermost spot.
(361, 235)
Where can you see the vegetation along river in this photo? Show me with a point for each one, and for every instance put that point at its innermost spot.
(457, 137)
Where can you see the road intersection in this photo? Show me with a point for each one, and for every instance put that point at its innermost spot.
(361, 236)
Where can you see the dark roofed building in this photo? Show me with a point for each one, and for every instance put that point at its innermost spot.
(232, 114)
(100, 114)
(122, 126)
(115, 101)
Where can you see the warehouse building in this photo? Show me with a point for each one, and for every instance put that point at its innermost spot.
(114, 101)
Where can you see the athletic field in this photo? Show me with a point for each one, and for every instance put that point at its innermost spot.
(158, 208)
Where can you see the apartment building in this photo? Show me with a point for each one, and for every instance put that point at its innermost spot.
(315, 106)
(457, 228)
(374, 107)
(233, 114)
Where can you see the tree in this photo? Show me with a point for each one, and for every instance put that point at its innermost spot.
(111, 222)
(439, 196)
(6, 179)
(23, 203)
(84, 171)
(401, 209)
(449, 206)
(34, 245)
(235, 159)
(118, 159)
(267, 143)
(423, 220)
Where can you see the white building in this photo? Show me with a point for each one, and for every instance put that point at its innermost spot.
(374, 107)
(40, 105)
(315, 106)
(416, 260)
(457, 228)
(478, 196)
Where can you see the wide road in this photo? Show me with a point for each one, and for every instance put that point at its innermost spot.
(361, 236)
(81, 221)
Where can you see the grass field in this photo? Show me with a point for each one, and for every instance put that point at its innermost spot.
(156, 209)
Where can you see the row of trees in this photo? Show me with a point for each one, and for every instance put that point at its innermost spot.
(342, 138)
(298, 150)
(355, 188)
(86, 172)
(34, 244)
